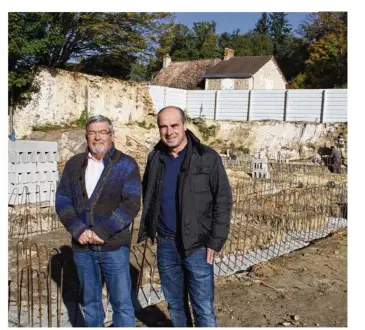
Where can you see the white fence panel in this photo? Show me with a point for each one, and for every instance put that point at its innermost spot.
(304, 105)
(312, 105)
(335, 107)
(232, 105)
(267, 104)
(201, 104)
(158, 95)
(176, 97)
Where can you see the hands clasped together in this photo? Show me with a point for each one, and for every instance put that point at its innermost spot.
(89, 237)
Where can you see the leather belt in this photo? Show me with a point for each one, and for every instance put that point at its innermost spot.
(170, 238)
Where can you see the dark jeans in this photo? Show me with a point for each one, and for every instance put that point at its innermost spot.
(200, 282)
(113, 267)
(337, 162)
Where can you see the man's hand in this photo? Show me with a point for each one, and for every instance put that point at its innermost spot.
(89, 237)
(85, 237)
(210, 256)
(95, 239)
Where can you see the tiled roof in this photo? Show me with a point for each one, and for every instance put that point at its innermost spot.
(185, 74)
(239, 65)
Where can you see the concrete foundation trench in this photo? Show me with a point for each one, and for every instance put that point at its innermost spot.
(270, 218)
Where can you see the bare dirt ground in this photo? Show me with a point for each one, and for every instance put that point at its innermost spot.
(305, 288)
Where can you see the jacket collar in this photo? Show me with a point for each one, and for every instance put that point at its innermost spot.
(110, 153)
(192, 139)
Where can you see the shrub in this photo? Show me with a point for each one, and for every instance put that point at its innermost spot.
(81, 122)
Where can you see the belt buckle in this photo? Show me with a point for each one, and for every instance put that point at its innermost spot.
(171, 238)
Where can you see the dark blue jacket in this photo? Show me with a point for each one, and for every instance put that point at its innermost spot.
(111, 208)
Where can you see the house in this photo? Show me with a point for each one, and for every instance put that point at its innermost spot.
(235, 73)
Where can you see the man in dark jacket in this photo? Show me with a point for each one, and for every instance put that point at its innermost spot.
(96, 200)
(336, 160)
(187, 202)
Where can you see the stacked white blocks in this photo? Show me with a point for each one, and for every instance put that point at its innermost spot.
(32, 171)
(260, 168)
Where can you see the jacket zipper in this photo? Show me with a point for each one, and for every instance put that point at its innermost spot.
(158, 206)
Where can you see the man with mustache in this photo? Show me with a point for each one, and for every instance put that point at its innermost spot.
(187, 203)
(97, 199)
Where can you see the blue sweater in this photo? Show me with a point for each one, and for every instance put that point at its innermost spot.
(168, 217)
(112, 207)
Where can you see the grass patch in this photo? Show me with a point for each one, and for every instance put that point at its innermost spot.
(145, 125)
(50, 127)
(236, 150)
(207, 131)
(78, 123)
(81, 122)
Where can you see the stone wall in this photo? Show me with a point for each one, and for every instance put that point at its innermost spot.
(213, 84)
(63, 97)
(239, 84)
(244, 83)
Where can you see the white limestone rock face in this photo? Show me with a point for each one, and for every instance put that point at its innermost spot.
(293, 140)
(64, 95)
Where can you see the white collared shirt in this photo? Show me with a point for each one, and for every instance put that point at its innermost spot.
(92, 174)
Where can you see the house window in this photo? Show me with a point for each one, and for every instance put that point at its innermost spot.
(227, 84)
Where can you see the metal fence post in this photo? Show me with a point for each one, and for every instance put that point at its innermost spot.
(186, 103)
(286, 95)
(215, 105)
(249, 105)
(323, 105)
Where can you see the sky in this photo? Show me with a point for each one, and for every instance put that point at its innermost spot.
(227, 22)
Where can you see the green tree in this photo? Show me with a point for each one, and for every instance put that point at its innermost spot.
(327, 63)
(326, 36)
(263, 25)
(206, 39)
(184, 45)
(279, 29)
(97, 43)
(242, 45)
(225, 41)
(317, 25)
(261, 44)
(291, 56)
(191, 44)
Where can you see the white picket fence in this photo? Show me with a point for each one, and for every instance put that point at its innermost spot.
(313, 105)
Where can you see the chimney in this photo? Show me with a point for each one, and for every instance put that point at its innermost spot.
(228, 53)
(166, 61)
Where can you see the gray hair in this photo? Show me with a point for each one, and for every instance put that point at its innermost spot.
(182, 113)
(100, 119)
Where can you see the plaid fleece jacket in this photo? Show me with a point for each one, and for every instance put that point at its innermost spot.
(111, 208)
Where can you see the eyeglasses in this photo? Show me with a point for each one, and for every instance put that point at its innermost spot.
(93, 133)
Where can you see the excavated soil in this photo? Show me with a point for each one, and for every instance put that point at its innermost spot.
(305, 288)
